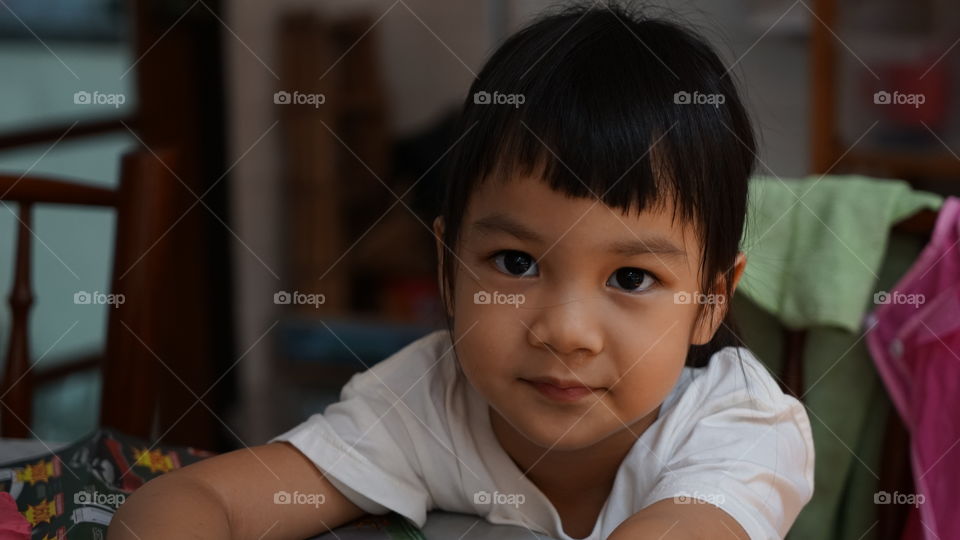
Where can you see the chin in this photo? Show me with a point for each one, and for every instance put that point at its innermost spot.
(559, 436)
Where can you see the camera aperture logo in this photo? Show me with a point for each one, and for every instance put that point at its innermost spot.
(501, 499)
(697, 98)
(697, 297)
(484, 297)
(311, 499)
(98, 298)
(896, 297)
(299, 299)
(99, 98)
(100, 499)
(898, 98)
(482, 97)
(283, 97)
(716, 499)
(883, 497)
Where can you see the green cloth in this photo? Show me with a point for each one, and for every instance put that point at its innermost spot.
(814, 245)
(816, 265)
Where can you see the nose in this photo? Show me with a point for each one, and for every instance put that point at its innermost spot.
(569, 328)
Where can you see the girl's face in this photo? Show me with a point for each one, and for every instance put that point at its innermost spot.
(554, 292)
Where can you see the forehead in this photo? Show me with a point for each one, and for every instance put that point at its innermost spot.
(551, 217)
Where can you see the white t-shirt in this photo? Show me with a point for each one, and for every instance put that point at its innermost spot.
(411, 435)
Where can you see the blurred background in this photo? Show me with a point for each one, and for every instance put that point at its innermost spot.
(250, 186)
(303, 142)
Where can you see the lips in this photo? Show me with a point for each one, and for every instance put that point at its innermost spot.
(561, 390)
(559, 383)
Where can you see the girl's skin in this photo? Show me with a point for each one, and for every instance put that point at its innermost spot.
(580, 321)
(576, 323)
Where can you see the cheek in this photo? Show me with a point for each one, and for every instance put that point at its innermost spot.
(489, 314)
(650, 355)
(647, 382)
(486, 340)
(656, 323)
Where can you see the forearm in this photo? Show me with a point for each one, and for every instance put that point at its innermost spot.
(652, 527)
(668, 520)
(170, 507)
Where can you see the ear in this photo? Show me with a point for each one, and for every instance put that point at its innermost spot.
(438, 237)
(706, 328)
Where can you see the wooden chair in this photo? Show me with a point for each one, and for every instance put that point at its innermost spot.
(144, 212)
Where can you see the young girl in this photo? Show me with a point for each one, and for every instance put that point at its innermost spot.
(589, 383)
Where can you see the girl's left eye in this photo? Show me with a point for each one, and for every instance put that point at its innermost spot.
(632, 279)
(515, 263)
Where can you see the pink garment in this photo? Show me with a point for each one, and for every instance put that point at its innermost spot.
(13, 526)
(916, 347)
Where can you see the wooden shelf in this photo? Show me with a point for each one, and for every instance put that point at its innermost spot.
(906, 164)
(825, 144)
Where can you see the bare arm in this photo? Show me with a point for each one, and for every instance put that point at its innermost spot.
(667, 519)
(232, 496)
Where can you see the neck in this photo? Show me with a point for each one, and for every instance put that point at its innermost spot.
(570, 473)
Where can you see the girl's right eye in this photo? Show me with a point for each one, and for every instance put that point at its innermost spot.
(515, 263)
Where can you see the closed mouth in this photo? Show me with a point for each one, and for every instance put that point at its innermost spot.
(562, 391)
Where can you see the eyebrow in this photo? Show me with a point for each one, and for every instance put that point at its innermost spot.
(655, 244)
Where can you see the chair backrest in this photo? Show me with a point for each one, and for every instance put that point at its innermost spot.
(143, 202)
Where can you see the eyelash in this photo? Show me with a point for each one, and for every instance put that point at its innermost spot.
(492, 260)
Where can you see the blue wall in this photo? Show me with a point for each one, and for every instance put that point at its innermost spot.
(72, 250)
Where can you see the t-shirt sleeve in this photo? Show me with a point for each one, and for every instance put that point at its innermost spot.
(747, 449)
(362, 446)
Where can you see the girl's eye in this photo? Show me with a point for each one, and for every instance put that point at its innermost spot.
(632, 279)
(515, 263)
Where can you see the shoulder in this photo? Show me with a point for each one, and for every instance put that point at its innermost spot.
(734, 377)
(376, 443)
(409, 392)
(734, 439)
(390, 405)
(423, 367)
(736, 396)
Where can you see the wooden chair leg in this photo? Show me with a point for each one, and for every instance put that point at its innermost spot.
(17, 388)
(896, 475)
(791, 374)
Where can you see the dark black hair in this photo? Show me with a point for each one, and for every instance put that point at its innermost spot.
(634, 109)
